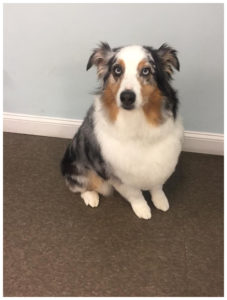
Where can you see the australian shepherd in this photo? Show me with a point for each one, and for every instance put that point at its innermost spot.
(132, 135)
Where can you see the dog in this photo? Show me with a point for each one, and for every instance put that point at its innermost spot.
(131, 137)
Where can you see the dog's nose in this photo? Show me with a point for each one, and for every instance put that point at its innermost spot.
(128, 98)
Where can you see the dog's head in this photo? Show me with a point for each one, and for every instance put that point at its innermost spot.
(137, 77)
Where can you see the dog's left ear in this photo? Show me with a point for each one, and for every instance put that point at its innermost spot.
(100, 58)
(169, 58)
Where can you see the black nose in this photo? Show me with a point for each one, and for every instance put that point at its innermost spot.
(128, 98)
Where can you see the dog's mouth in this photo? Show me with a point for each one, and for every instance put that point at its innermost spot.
(127, 106)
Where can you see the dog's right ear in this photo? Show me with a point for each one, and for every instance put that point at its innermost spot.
(169, 59)
(100, 58)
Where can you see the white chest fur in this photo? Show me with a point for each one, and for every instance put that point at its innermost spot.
(140, 155)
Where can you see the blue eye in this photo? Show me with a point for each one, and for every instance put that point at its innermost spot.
(146, 71)
(117, 70)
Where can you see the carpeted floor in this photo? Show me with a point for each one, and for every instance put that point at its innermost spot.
(56, 246)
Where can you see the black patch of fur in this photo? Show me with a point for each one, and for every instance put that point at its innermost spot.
(110, 64)
(67, 166)
(117, 49)
(73, 181)
(83, 153)
(105, 46)
(162, 79)
(90, 63)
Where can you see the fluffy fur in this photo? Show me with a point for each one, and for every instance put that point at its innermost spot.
(132, 136)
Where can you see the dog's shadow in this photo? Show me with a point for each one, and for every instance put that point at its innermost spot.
(147, 197)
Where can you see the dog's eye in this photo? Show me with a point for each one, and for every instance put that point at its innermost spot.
(117, 70)
(145, 71)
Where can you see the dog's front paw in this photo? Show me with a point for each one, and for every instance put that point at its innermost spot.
(90, 198)
(142, 210)
(160, 201)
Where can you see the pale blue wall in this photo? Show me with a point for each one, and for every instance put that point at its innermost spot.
(46, 48)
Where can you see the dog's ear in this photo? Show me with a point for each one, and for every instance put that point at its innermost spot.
(100, 58)
(169, 59)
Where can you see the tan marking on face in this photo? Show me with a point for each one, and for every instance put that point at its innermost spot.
(110, 93)
(94, 181)
(152, 96)
(152, 104)
(142, 64)
(144, 80)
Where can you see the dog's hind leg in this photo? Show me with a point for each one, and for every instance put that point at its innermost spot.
(95, 185)
(90, 197)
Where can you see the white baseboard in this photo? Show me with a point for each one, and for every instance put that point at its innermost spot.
(203, 142)
(200, 142)
(39, 125)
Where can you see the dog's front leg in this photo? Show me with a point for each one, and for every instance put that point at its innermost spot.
(159, 198)
(135, 198)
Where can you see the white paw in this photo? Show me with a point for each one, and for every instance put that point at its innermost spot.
(141, 209)
(90, 198)
(160, 201)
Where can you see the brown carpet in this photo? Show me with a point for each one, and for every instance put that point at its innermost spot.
(56, 246)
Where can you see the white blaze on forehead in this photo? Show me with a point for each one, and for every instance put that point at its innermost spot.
(131, 56)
